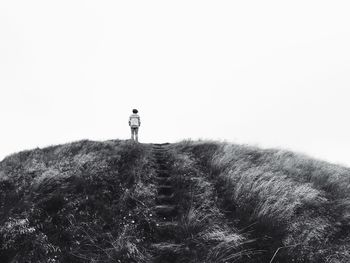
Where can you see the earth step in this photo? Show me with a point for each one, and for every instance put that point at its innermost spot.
(160, 157)
(157, 167)
(158, 164)
(163, 166)
(166, 230)
(161, 162)
(168, 226)
(159, 148)
(165, 247)
(165, 199)
(165, 190)
(164, 186)
(163, 177)
(165, 210)
(159, 152)
(163, 172)
(163, 180)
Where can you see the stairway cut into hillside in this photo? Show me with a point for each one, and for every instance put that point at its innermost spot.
(165, 247)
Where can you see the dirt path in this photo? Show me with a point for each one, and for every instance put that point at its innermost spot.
(165, 246)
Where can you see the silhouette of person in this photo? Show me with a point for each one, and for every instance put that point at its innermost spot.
(134, 123)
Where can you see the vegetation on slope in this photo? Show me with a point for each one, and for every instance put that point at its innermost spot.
(203, 233)
(80, 202)
(93, 202)
(291, 204)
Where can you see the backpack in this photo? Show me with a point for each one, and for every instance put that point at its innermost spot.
(134, 120)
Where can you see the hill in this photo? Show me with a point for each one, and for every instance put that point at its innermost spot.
(117, 201)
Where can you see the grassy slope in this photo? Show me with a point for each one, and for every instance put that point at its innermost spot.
(78, 202)
(92, 202)
(281, 199)
(204, 233)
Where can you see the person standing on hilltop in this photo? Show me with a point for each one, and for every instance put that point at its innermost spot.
(134, 123)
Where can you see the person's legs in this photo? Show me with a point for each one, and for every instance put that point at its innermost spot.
(137, 134)
(132, 133)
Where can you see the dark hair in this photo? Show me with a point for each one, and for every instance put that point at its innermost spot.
(135, 111)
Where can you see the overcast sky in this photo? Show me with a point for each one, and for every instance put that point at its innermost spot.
(267, 73)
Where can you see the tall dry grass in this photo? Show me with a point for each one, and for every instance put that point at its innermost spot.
(203, 231)
(80, 202)
(301, 203)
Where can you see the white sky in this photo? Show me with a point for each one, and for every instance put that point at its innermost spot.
(268, 73)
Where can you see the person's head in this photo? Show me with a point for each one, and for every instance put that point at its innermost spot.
(135, 111)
